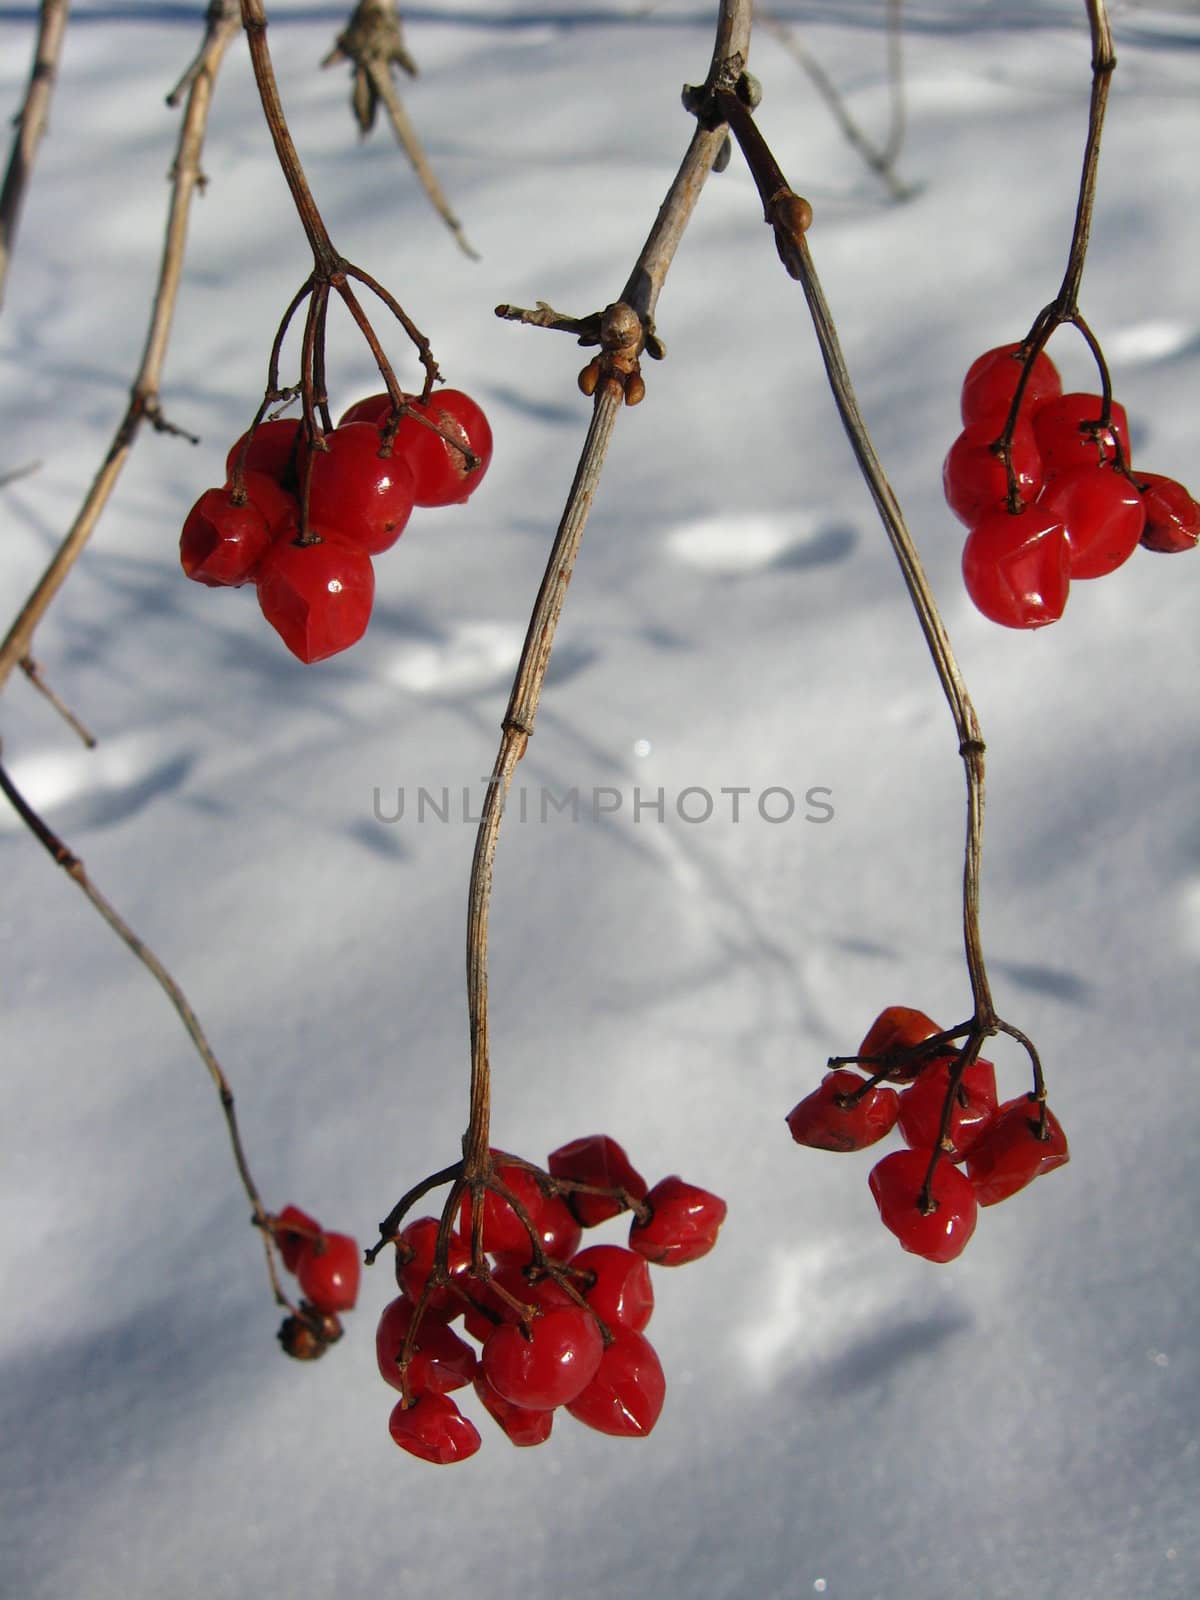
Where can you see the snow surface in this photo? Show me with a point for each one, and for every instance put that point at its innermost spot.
(842, 1419)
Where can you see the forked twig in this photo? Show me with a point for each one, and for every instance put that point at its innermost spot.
(144, 405)
(31, 124)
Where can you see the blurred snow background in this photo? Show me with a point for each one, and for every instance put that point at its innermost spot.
(841, 1419)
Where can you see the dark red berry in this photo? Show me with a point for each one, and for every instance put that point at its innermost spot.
(434, 1429)
(523, 1426)
(939, 1234)
(825, 1121)
(682, 1226)
(600, 1161)
(895, 1032)
(1172, 516)
(1011, 1154)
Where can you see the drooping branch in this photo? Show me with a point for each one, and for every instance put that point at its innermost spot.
(31, 124)
(144, 404)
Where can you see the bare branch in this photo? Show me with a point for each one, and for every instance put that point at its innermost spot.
(31, 124)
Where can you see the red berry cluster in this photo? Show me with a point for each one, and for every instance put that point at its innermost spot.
(328, 1267)
(965, 1149)
(558, 1326)
(314, 575)
(1079, 512)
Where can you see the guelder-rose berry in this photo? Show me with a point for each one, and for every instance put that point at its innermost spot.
(974, 477)
(317, 597)
(414, 1262)
(441, 474)
(974, 1108)
(1068, 433)
(547, 1364)
(824, 1122)
(600, 1161)
(524, 1427)
(273, 450)
(441, 1361)
(329, 1271)
(991, 382)
(616, 1285)
(505, 1235)
(434, 1429)
(626, 1396)
(1172, 516)
(939, 1234)
(367, 497)
(1103, 515)
(294, 1232)
(895, 1031)
(222, 543)
(682, 1226)
(1011, 1154)
(1017, 566)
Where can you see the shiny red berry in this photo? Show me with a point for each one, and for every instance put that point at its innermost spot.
(1103, 515)
(939, 1234)
(294, 1232)
(414, 1262)
(682, 1226)
(992, 378)
(1069, 434)
(616, 1284)
(1011, 1153)
(274, 450)
(434, 1429)
(895, 1031)
(972, 1113)
(505, 1235)
(440, 470)
(280, 508)
(824, 1120)
(600, 1161)
(222, 543)
(317, 597)
(328, 1272)
(626, 1396)
(973, 476)
(441, 1361)
(546, 1364)
(367, 497)
(1017, 567)
(524, 1427)
(1172, 516)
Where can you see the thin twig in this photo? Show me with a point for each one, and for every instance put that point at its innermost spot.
(881, 159)
(31, 124)
(75, 870)
(33, 672)
(144, 403)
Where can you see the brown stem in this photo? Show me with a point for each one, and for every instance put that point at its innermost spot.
(31, 124)
(144, 400)
(75, 870)
(623, 330)
(254, 20)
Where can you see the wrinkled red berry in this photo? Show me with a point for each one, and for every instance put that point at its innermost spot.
(329, 1271)
(1017, 566)
(434, 1429)
(524, 1427)
(620, 1291)
(600, 1161)
(1068, 433)
(974, 477)
(414, 1263)
(939, 1234)
(823, 1122)
(294, 1231)
(1010, 1154)
(441, 1361)
(896, 1030)
(1172, 516)
(626, 1396)
(683, 1223)
(222, 543)
(317, 597)
(975, 1103)
(505, 1235)
(1103, 515)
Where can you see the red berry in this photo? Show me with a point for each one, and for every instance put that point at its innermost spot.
(376, 408)
(294, 1231)
(1102, 513)
(991, 382)
(1068, 433)
(317, 597)
(414, 1263)
(434, 1429)
(221, 543)
(823, 1122)
(1017, 566)
(626, 1396)
(524, 1427)
(367, 497)
(505, 1235)
(273, 450)
(975, 1103)
(440, 472)
(601, 1161)
(620, 1292)
(1172, 516)
(549, 1363)
(329, 1271)
(280, 509)
(683, 1223)
(974, 478)
(940, 1234)
(897, 1029)
(1011, 1155)
(441, 1361)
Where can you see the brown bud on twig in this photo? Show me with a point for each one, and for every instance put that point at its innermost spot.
(589, 378)
(635, 389)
